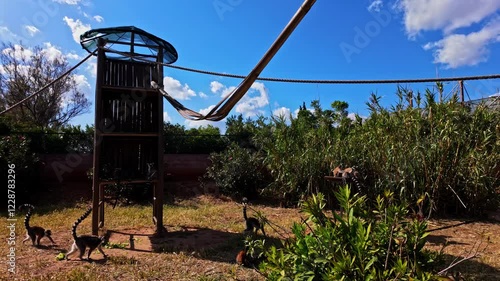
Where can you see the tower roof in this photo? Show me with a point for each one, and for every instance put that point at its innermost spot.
(131, 42)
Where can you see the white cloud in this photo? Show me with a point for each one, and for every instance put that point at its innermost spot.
(446, 15)
(227, 91)
(468, 28)
(375, 6)
(250, 105)
(92, 66)
(457, 50)
(216, 86)
(52, 52)
(77, 28)
(166, 117)
(203, 95)
(98, 18)
(19, 52)
(73, 56)
(7, 36)
(82, 83)
(178, 91)
(282, 112)
(31, 30)
(68, 2)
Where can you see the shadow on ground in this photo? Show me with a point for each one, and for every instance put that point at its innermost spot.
(472, 269)
(203, 243)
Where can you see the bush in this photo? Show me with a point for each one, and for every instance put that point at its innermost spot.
(442, 150)
(297, 153)
(418, 147)
(126, 194)
(354, 245)
(236, 171)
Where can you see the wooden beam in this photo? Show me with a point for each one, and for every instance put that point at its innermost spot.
(129, 134)
(461, 84)
(159, 187)
(104, 182)
(135, 44)
(101, 60)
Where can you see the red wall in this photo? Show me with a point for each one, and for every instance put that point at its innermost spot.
(72, 167)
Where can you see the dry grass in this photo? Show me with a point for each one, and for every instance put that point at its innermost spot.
(203, 239)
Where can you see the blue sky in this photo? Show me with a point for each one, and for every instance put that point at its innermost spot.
(361, 39)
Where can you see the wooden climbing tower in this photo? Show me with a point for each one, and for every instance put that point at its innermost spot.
(128, 140)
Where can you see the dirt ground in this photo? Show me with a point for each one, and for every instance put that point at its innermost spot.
(460, 239)
(188, 253)
(195, 245)
(182, 254)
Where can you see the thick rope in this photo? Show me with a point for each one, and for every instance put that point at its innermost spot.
(314, 81)
(319, 81)
(49, 84)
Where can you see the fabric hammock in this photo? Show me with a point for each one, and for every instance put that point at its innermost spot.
(220, 111)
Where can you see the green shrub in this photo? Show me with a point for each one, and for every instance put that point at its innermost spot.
(236, 171)
(354, 245)
(298, 152)
(443, 150)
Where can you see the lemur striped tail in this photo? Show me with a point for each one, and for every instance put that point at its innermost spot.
(355, 177)
(358, 184)
(28, 215)
(78, 221)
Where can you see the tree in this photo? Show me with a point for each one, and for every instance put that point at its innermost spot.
(240, 131)
(24, 71)
(205, 139)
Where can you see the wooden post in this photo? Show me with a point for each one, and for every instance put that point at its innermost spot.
(101, 205)
(159, 186)
(461, 84)
(101, 56)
